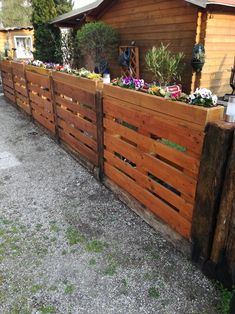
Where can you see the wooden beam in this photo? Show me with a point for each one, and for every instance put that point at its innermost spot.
(100, 133)
(218, 141)
(223, 250)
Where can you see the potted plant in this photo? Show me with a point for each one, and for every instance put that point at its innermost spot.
(198, 58)
(165, 66)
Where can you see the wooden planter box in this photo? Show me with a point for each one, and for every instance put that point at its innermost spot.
(37, 70)
(153, 150)
(175, 109)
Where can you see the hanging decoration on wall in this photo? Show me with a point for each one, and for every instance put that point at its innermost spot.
(198, 58)
(129, 60)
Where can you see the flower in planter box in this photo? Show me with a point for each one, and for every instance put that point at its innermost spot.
(127, 81)
(138, 84)
(203, 97)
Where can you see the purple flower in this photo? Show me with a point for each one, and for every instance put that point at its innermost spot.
(127, 81)
(138, 84)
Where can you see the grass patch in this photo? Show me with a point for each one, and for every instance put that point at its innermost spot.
(153, 293)
(36, 288)
(111, 269)
(225, 297)
(95, 246)
(124, 289)
(45, 309)
(69, 289)
(148, 277)
(92, 262)
(38, 227)
(73, 236)
(54, 227)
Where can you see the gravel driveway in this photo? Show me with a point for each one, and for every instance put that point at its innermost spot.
(68, 245)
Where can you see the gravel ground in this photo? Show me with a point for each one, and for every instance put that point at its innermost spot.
(68, 245)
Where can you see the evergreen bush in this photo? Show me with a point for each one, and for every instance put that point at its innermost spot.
(98, 41)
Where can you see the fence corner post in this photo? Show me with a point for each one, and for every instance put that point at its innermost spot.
(100, 133)
(218, 141)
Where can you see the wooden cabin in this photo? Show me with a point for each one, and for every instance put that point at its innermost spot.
(180, 23)
(17, 41)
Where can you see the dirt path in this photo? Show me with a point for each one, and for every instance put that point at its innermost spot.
(67, 245)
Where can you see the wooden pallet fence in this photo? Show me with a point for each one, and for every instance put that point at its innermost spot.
(20, 86)
(40, 96)
(75, 100)
(153, 149)
(7, 80)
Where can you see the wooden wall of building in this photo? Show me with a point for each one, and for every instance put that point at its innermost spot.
(219, 40)
(151, 22)
(10, 34)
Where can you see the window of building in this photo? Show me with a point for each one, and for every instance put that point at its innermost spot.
(23, 45)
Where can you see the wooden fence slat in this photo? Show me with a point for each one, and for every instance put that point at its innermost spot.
(78, 134)
(185, 209)
(154, 146)
(79, 147)
(76, 94)
(170, 216)
(77, 121)
(186, 137)
(154, 166)
(76, 107)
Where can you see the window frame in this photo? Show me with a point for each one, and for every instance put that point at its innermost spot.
(23, 36)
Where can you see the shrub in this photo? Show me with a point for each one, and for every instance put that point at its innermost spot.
(166, 66)
(98, 41)
(47, 38)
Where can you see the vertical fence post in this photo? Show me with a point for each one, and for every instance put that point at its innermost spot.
(100, 133)
(218, 141)
(53, 101)
(27, 91)
(2, 77)
(13, 81)
(223, 250)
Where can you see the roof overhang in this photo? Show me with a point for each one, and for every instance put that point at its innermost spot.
(16, 28)
(76, 16)
(204, 3)
(98, 7)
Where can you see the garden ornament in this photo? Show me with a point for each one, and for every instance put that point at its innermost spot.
(198, 58)
(125, 58)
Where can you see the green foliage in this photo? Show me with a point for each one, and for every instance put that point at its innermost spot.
(69, 289)
(98, 41)
(73, 236)
(63, 6)
(43, 12)
(225, 299)
(47, 41)
(46, 309)
(95, 246)
(15, 13)
(166, 66)
(153, 293)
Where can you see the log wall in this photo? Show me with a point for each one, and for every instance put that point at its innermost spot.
(170, 22)
(216, 32)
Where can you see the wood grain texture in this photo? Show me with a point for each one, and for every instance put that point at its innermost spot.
(153, 147)
(217, 143)
(223, 249)
(76, 112)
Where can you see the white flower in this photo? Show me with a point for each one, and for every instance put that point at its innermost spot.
(214, 100)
